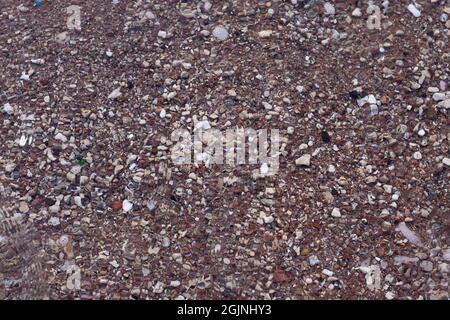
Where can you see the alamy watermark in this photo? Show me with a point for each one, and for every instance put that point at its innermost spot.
(234, 146)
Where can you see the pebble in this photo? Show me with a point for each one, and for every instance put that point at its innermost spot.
(151, 205)
(115, 94)
(23, 207)
(162, 34)
(8, 109)
(23, 141)
(264, 169)
(304, 160)
(409, 234)
(126, 205)
(417, 155)
(165, 242)
(446, 254)
(357, 12)
(59, 136)
(313, 260)
(220, 33)
(389, 295)
(265, 33)
(175, 283)
(426, 266)
(415, 12)
(446, 161)
(327, 272)
(329, 8)
(336, 213)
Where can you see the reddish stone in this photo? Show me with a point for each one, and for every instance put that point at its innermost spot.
(116, 205)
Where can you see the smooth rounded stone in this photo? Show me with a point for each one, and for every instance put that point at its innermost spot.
(23, 207)
(438, 96)
(8, 109)
(54, 208)
(336, 213)
(127, 205)
(357, 12)
(304, 160)
(409, 234)
(207, 6)
(426, 266)
(162, 34)
(313, 260)
(151, 205)
(174, 283)
(329, 8)
(115, 94)
(328, 196)
(165, 242)
(220, 33)
(417, 155)
(59, 136)
(446, 161)
(54, 221)
(265, 33)
(415, 12)
(264, 169)
(446, 254)
(389, 295)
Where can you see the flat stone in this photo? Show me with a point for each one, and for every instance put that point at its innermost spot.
(220, 33)
(304, 160)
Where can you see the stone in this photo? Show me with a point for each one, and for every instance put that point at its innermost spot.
(115, 94)
(336, 213)
(165, 242)
(127, 205)
(220, 33)
(426, 266)
(446, 254)
(328, 197)
(54, 221)
(23, 207)
(59, 136)
(304, 160)
(162, 34)
(409, 234)
(329, 8)
(446, 161)
(357, 12)
(313, 260)
(265, 33)
(8, 109)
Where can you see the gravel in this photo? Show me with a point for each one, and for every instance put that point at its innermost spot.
(358, 208)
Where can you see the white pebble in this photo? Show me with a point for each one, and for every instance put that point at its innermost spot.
(8, 109)
(329, 8)
(162, 34)
(264, 169)
(336, 213)
(220, 33)
(412, 8)
(127, 205)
